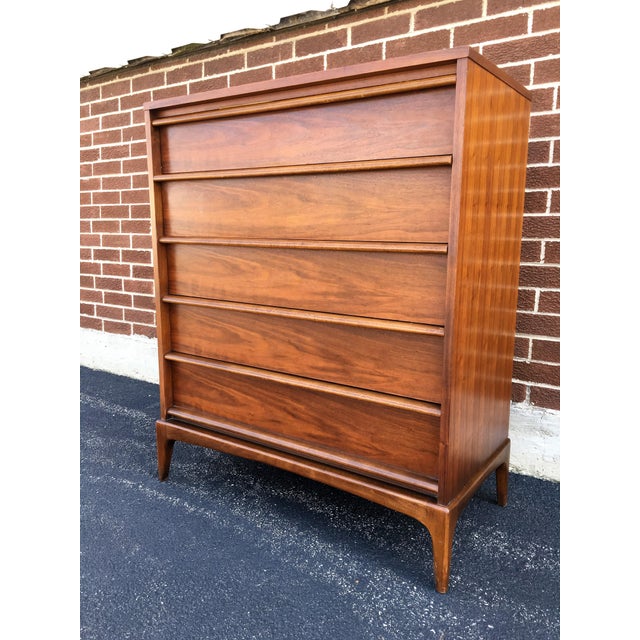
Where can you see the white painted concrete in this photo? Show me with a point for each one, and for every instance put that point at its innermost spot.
(535, 433)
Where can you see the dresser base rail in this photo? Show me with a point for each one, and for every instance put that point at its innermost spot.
(440, 520)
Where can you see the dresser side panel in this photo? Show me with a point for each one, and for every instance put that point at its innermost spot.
(483, 274)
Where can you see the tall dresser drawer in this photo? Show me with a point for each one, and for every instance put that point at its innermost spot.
(390, 357)
(378, 284)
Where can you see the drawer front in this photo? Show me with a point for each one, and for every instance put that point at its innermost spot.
(401, 205)
(347, 131)
(336, 427)
(397, 286)
(390, 361)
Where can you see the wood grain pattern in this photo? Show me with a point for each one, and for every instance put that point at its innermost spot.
(337, 132)
(406, 364)
(484, 262)
(396, 286)
(410, 205)
(345, 426)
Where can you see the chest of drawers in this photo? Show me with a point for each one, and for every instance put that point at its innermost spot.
(336, 272)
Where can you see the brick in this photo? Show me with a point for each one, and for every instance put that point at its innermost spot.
(141, 272)
(555, 202)
(545, 126)
(542, 99)
(106, 197)
(526, 300)
(115, 89)
(543, 277)
(134, 101)
(116, 269)
(224, 64)
(552, 253)
(137, 165)
(116, 120)
(89, 184)
(114, 211)
(185, 73)
(137, 255)
(139, 286)
(139, 317)
(118, 299)
(111, 136)
(144, 302)
(520, 72)
(546, 71)
(210, 84)
(140, 181)
(539, 372)
(169, 92)
(556, 151)
(90, 94)
(90, 323)
(387, 27)
(368, 53)
(115, 151)
(89, 212)
(106, 255)
(319, 43)
(531, 251)
(535, 201)
(306, 65)
(116, 240)
(132, 133)
(546, 19)
(89, 155)
(85, 111)
(142, 330)
(148, 81)
(123, 328)
(270, 55)
(549, 302)
(138, 149)
(536, 324)
(88, 125)
(418, 44)
(496, 29)
(89, 240)
(500, 6)
(86, 140)
(542, 177)
(136, 226)
(104, 106)
(529, 48)
(545, 397)
(105, 226)
(253, 75)
(135, 196)
(546, 351)
(518, 392)
(521, 348)
(108, 167)
(116, 182)
(90, 295)
(140, 211)
(539, 153)
(447, 14)
(109, 284)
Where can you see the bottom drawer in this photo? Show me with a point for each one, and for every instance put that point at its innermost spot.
(374, 434)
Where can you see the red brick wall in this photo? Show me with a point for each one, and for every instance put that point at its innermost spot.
(522, 36)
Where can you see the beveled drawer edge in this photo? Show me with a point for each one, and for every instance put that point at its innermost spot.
(330, 388)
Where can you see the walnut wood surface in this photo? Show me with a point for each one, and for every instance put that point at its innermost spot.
(336, 276)
(410, 205)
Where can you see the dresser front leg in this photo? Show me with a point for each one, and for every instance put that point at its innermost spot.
(441, 524)
(502, 483)
(165, 450)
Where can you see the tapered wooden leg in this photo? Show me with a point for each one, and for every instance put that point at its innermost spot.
(165, 451)
(441, 524)
(502, 483)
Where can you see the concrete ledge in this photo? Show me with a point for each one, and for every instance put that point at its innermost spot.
(535, 433)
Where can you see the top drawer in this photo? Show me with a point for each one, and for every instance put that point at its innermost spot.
(415, 123)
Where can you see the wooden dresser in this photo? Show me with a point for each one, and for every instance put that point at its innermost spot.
(336, 259)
